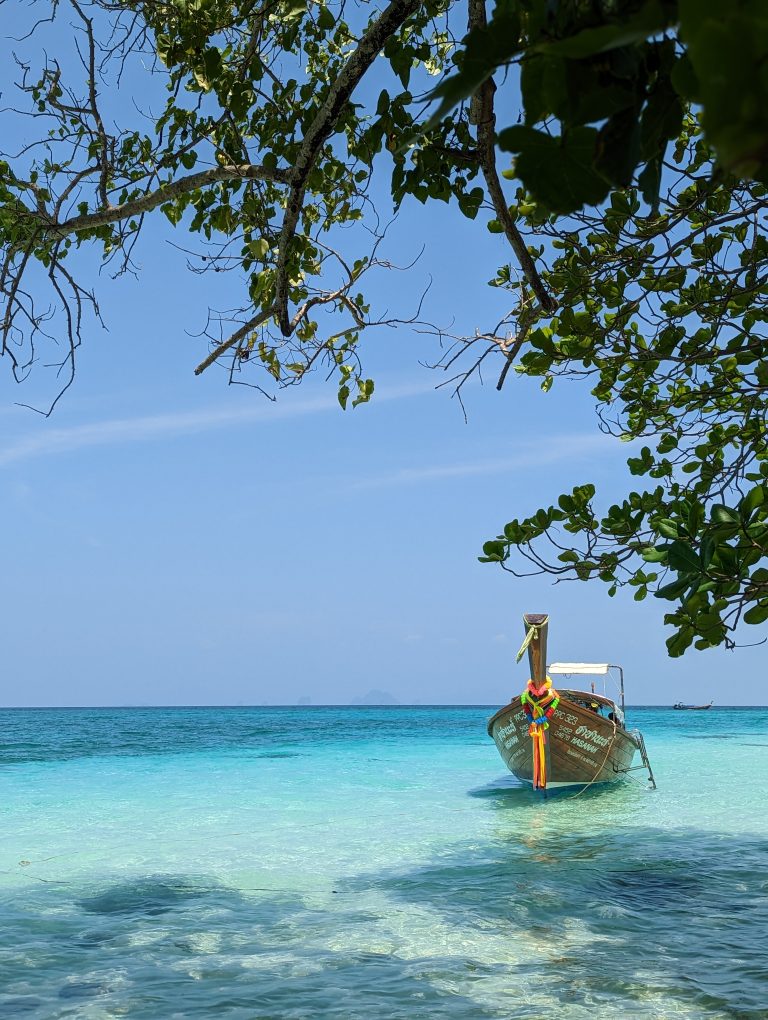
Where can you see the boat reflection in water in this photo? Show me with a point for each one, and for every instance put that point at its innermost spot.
(554, 738)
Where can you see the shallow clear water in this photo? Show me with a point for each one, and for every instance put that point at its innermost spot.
(296, 863)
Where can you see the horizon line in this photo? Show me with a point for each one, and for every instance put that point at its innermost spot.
(328, 704)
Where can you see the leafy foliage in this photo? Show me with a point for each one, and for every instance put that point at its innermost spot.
(636, 223)
(258, 152)
(666, 316)
(607, 84)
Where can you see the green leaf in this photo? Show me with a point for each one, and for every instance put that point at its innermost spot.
(259, 247)
(618, 148)
(365, 388)
(683, 558)
(653, 17)
(754, 498)
(667, 443)
(558, 172)
(684, 79)
(678, 643)
(325, 19)
(667, 528)
(653, 555)
(649, 182)
(661, 120)
(724, 515)
(495, 550)
(707, 551)
(673, 590)
(513, 532)
(727, 45)
(543, 86)
(758, 613)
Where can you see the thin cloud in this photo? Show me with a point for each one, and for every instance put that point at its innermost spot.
(547, 450)
(52, 441)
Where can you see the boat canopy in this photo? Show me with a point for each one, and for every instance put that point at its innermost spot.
(580, 668)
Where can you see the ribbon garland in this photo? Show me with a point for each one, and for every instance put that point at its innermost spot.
(539, 705)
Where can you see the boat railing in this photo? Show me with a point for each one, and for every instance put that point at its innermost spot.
(646, 761)
(594, 669)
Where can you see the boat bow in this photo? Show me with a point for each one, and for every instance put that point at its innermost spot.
(566, 737)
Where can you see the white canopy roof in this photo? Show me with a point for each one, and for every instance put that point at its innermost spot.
(580, 668)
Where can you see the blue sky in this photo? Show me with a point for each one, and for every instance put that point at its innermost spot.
(170, 540)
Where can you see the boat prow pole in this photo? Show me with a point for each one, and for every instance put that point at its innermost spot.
(535, 643)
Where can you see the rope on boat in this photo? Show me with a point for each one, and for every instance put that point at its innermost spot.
(600, 767)
(531, 633)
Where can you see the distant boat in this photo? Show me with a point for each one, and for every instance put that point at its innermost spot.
(692, 708)
(584, 740)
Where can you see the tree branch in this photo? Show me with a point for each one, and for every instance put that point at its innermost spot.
(236, 338)
(165, 193)
(94, 105)
(484, 117)
(368, 48)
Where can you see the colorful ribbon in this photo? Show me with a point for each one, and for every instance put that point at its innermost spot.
(539, 704)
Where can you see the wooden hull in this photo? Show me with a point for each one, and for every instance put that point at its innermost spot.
(582, 747)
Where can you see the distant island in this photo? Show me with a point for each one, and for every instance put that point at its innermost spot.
(376, 697)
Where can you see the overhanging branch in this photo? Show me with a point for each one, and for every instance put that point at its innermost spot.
(237, 338)
(484, 117)
(368, 48)
(165, 193)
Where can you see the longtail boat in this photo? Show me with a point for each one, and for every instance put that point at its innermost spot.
(552, 738)
(692, 708)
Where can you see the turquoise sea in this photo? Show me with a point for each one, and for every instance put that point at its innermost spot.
(373, 863)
